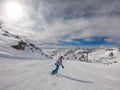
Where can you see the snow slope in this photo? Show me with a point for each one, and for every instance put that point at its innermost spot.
(7, 39)
(35, 75)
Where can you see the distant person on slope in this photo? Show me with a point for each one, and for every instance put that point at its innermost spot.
(58, 63)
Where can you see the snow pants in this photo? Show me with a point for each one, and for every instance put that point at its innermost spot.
(56, 69)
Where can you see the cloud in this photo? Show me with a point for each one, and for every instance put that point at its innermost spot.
(53, 21)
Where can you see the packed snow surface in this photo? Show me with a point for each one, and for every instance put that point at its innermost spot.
(16, 74)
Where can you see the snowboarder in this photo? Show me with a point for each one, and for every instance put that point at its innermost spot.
(58, 63)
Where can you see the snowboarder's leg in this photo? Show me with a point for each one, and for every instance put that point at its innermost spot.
(56, 69)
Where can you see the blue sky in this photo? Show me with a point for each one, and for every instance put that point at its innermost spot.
(89, 23)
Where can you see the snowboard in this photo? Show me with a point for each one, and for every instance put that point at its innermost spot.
(53, 73)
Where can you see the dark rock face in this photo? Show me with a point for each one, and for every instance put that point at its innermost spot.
(111, 54)
(21, 45)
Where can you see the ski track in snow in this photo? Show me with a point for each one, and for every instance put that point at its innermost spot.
(35, 75)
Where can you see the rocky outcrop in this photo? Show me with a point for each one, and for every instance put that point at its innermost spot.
(20, 46)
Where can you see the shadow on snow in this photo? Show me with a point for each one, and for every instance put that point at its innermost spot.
(74, 79)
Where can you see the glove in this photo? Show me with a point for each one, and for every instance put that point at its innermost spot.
(63, 67)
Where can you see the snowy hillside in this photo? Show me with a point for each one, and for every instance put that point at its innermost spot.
(29, 50)
(35, 75)
(104, 55)
(55, 52)
(97, 55)
(11, 44)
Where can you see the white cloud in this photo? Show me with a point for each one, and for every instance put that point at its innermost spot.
(87, 19)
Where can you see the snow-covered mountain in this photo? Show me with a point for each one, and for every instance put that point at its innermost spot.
(102, 54)
(105, 55)
(13, 46)
(55, 52)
